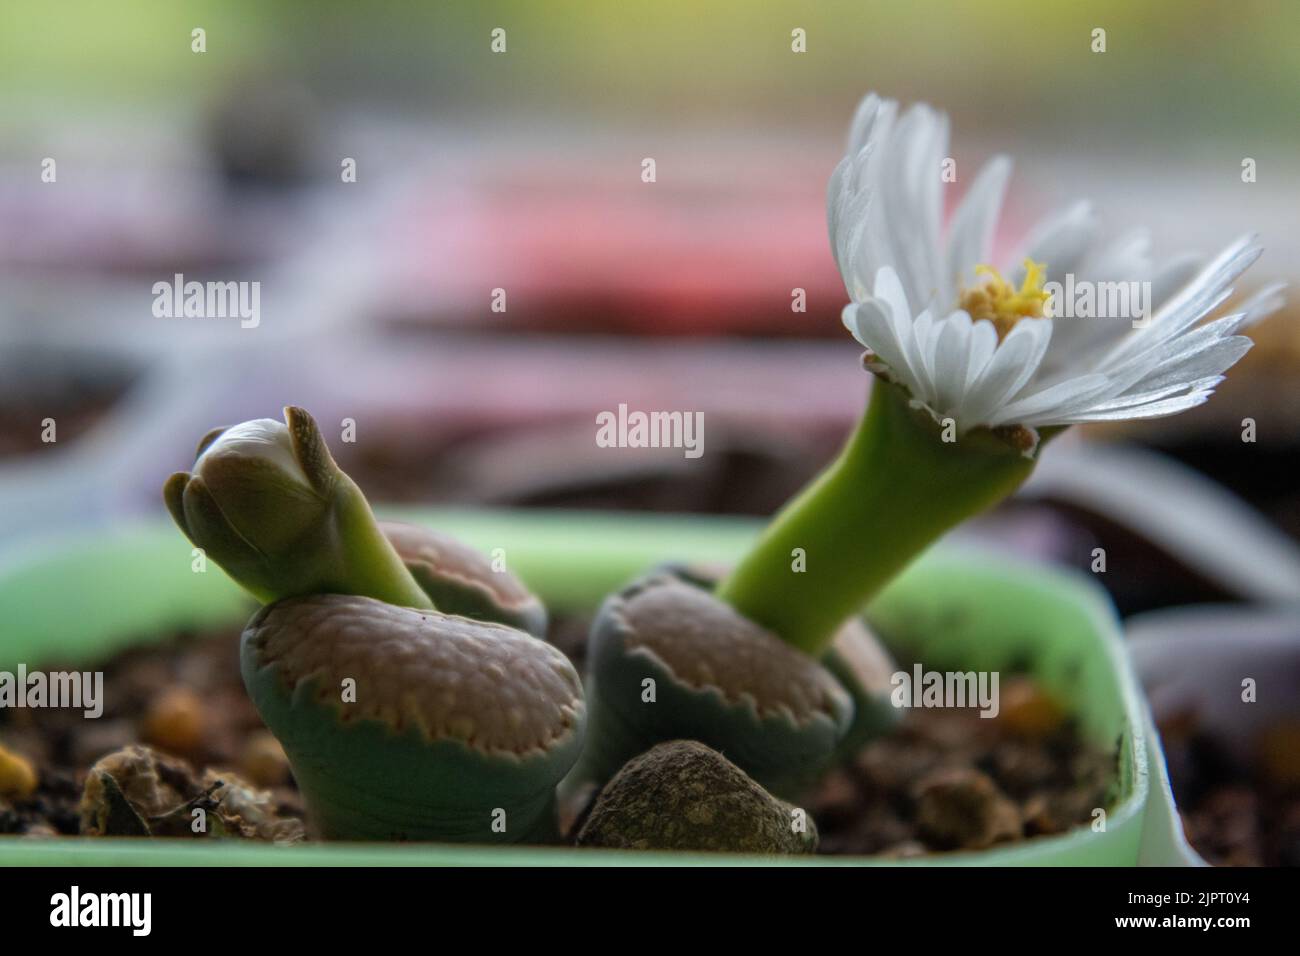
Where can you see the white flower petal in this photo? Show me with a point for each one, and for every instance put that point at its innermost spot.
(1126, 258)
(983, 343)
(1148, 404)
(1154, 348)
(1262, 304)
(1062, 240)
(913, 203)
(848, 211)
(1194, 363)
(1014, 362)
(1170, 406)
(888, 287)
(1173, 275)
(874, 328)
(890, 290)
(1082, 341)
(1191, 304)
(970, 237)
(1153, 395)
(952, 358)
(924, 337)
(872, 121)
(1046, 405)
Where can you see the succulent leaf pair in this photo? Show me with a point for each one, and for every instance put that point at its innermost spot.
(667, 660)
(410, 724)
(402, 673)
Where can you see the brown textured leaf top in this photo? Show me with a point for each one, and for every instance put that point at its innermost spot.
(707, 644)
(492, 687)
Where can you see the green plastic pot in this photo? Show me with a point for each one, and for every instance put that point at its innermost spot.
(81, 600)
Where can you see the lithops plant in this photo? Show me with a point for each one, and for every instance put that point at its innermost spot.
(668, 660)
(462, 580)
(407, 724)
(856, 659)
(394, 664)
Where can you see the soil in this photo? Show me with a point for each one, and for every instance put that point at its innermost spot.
(1233, 817)
(941, 780)
(951, 780)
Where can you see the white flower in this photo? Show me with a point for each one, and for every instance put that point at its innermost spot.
(969, 346)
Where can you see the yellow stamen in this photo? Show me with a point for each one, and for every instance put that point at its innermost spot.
(996, 300)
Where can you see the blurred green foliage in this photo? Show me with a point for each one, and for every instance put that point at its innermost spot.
(1182, 66)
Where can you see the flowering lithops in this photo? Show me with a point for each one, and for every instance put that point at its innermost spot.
(394, 664)
(973, 374)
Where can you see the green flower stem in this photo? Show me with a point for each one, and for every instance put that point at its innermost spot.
(895, 488)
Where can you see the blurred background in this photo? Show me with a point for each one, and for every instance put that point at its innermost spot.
(521, 171)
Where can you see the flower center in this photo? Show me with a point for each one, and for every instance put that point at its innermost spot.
(1002, 304)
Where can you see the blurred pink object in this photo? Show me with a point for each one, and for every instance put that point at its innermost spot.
(580, 244)
(700, 251)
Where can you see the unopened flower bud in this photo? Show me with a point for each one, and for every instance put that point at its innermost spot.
(267, 502)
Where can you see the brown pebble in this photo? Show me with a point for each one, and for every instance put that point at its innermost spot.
(17, 775)
(681, 795)
(263, 761)
(1027, 710)
(964, 809)
(174, 721)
